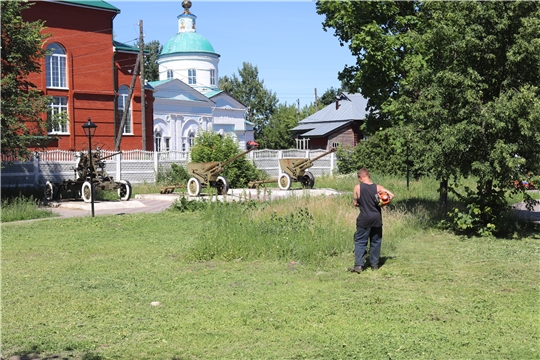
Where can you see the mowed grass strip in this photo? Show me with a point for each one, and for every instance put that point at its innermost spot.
(84, 287)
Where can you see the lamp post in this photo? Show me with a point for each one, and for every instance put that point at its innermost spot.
(89, 131)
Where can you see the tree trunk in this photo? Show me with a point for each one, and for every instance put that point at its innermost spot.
(443, 195)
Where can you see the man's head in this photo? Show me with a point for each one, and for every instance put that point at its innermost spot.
(363, 174)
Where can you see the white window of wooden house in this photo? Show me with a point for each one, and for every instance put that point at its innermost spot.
(169, 74)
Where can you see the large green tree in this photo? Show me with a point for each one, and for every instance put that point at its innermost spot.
(247, 88)
(277, 134)
(376, 33)
(22, 104)
(459, 80)
(151, 67)
(472, 88)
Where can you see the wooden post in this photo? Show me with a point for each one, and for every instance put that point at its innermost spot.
(143, 83)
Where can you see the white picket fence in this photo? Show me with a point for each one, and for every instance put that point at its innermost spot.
(139, 166)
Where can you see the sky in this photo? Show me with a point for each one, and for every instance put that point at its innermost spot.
(284, 39)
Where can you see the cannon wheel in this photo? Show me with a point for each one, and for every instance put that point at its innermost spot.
(49, 191)
(284, 181)
(222, 185)
(193, 187)
(308, 180)
(86, 192)
(124, 191)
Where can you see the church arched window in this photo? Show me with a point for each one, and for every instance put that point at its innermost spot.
(212, 77)
(192, 76)
(157, 142)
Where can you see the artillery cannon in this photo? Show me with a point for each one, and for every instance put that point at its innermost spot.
(294, 169)
(207, 174)
(89, 171)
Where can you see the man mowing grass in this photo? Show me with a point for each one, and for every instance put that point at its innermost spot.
(369, 197)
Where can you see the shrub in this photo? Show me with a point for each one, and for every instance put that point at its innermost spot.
(176, 174)
(210, 146)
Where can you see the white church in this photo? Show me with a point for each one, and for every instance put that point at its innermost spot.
(187, 97)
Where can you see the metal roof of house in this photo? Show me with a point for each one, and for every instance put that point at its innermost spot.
(100, 4)
(213, 93)
(350, 107)
(125, 47)
(325, 129)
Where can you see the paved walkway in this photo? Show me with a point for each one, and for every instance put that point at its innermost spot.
(149, 203)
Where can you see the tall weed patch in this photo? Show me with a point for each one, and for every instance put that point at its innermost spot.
(23, 208)
(302, 229)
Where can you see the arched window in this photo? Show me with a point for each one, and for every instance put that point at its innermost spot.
(55, 62)
(157, 142)
(169, 74)
(122, 106)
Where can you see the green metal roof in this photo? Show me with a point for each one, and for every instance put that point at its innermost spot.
(100, 4)
(213, 93)
(187, 42)
(125, 47)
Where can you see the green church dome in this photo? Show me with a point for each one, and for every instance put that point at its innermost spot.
(187, 42)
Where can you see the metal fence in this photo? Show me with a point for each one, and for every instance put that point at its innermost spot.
(139, 166)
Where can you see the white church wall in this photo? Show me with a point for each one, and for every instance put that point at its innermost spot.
(181, 63)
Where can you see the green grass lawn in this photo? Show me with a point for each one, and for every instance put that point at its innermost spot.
(83, 287)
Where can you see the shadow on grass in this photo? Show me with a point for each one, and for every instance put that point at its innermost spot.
(518, 223)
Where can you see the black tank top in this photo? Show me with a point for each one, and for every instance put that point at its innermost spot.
(370, 212)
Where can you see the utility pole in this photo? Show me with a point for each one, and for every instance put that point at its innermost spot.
(143, 81)
(118, 139)
(298, 111)
(316, 101)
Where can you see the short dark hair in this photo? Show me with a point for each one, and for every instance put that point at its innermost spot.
(363, 172)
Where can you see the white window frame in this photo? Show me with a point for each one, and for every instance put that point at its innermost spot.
(56, 67)
(123, 93)
(167, 144)
(58, 105)
(192, 76)
(212, 77)
(170, 74)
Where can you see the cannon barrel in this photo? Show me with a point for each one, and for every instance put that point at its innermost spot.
(303, 164)
(237, 156)
(108, 156)
(323, 155)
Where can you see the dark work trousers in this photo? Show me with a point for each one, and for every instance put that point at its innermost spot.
(361, 236)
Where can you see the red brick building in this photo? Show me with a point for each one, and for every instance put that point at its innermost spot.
(88, 74)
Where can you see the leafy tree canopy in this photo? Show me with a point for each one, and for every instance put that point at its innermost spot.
(151, 67)
(22, 104)
(247, 88)
(459, 78)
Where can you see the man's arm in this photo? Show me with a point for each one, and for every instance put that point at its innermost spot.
(356, 195)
